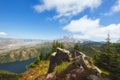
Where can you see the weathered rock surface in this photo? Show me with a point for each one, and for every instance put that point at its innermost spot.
(57, 58)
(82, 65)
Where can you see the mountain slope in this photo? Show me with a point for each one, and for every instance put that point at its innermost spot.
(79, 67)
(7, 44)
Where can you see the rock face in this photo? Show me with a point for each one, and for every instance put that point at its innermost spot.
(64, 55)
(84, 65)
(75, 74)
(57, 58)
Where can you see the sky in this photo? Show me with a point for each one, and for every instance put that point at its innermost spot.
(52, 19)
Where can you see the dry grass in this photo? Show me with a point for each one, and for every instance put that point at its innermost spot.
(38, 70)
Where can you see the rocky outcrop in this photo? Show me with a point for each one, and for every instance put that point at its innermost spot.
(57, 58)
(82, 65)
(78, 57)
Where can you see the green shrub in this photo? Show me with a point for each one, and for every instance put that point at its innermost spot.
(60, 69)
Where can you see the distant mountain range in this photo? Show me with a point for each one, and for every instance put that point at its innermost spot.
(22, 49)
(74, 40)
(118, 41)
(10, 43)
(7, 44)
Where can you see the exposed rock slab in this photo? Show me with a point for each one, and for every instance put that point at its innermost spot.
(83, 64)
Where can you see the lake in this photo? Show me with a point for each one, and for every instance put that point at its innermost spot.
(16, 67)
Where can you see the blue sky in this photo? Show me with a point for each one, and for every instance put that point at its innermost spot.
(51, 19)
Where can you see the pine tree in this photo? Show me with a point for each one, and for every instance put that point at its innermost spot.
(56, 44)
(108, 49)
(109, 60)
(37, 60)
(76, 46)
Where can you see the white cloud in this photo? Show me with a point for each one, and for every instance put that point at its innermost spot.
(3, 34)
(82, 25)
(66, 7)
(91, 29)
(114, 9)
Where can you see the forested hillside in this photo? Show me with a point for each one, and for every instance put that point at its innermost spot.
(45, 49)
(105, 55)
(24, 53)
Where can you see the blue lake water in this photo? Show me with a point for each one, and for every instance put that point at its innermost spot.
(16, 67)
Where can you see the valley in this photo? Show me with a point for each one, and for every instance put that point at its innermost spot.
(43, 61)
(32, 48)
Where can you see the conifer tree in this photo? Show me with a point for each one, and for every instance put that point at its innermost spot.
(108, 48)
(76, 46)
(56, 44)
(109, 60)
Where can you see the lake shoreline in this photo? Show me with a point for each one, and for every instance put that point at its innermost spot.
(17, 67)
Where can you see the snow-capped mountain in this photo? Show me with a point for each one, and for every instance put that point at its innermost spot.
(73, 39)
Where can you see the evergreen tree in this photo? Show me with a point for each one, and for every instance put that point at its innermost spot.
(56, 44)
(37, 60)
(117, 48)
(77, 47)
(109, 60)
(108, 50)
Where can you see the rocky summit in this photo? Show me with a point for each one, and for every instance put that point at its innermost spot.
(78, 67)
(65, 65)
